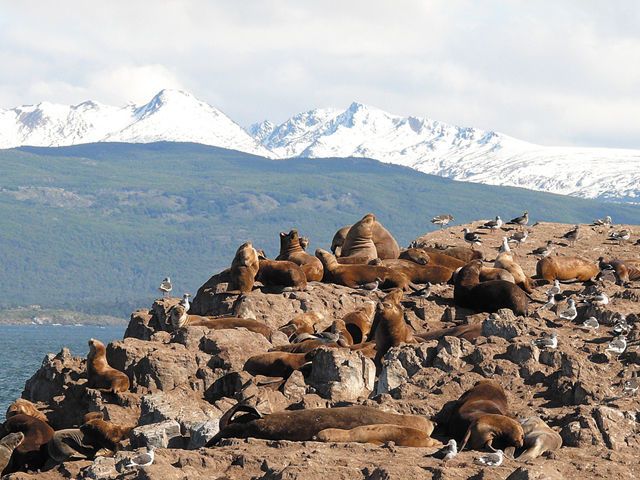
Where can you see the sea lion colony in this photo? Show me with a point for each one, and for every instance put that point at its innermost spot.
(376, 330)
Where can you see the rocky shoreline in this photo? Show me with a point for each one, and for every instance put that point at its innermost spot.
(183, 381)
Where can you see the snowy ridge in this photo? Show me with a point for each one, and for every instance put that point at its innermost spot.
(454, 152)
(172, 115)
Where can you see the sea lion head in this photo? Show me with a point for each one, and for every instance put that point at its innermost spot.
(394, 296)
(12, 440)
(25, 407)
(416, 255)
(514, 432)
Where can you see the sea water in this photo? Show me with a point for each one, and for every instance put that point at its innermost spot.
(23, 347)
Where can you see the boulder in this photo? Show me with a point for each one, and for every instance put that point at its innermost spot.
(341, 375)
(160, 435)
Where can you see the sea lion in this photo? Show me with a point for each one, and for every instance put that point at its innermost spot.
(368, 349)
(420, 273)
(26, 407)
(304, 243)
(566, 269)
(70, 444)
(490, 273)
(386, 246)
(391, 329)
(538, 438)
(469, 292)
(281, 273)
(359, 240)
(104, 434)
(302, 323)
(481, 415)
(465, 254)
(355, 276)
(339, 327)
(625, 270)
(31, 453)
(378, 435)
(8, 444)
(305, 346)
(505, 261)
(469, 332)
(338, 240)
(291, 250)
(227, 323)
(275, 364)
(100, 375)
(359, 322)
(244, 269)
(422, 257)
(303, 425)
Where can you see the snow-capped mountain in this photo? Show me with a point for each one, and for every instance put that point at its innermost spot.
(171, 115)
(450, 151)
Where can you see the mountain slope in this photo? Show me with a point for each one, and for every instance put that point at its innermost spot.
(171, 115)
(459, 153)
(84, 230)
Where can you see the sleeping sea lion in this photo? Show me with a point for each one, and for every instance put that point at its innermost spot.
(420, 273)
(282, 274)
(505, 261)
(422, 257)
(566, 269)
(378, 435)
(227, 323)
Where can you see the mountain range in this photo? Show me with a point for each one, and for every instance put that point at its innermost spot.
(426, 145)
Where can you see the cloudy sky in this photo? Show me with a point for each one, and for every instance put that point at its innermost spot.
(553, 72)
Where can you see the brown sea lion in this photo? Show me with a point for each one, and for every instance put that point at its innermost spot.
(338, 240)
(538, 438)
(391, 330)
(488, 428)
(26, 407)
(291, 250)
(461, 253)
(355, 276)
(340, 327)
(70, 444)
(420, 273)
(386, 246)
(566, 269)
(275, 364)
(359, 322)
(625, 270)
(368, 349)
(227, 323)
(101, 376)
(469, 292)
(31, 453)
(378, 435)
(469, 332)
(505, 261)
(422, 257)
(302, 323)
(359, 240)
(489, 273)
(104, 434)
(305, 346)
(304, 243)
(303, 425)
(244, 269)
(8, 444)
(281, 274)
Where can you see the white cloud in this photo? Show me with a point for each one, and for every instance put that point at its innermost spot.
(544, 71)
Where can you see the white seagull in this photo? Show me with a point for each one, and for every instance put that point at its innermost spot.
(570, 313)
(165, 287)
(471, 237)
(630, 387)
(598, 299)
(505, 245)
(591, 323)
(621, 327)
(442, 220)
(142, 460)
(490, 459)
(556, 289)
(603, 221)
(519, 237)
(493, 224)
(450, 450)
(185, 302)
(551, 302)
(547, 341)
(618, 345)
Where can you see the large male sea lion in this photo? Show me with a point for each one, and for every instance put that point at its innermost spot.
(391, 329)
(469, 292)
(465, 254)
(355, 276)
(31, 453)
(100, 374)
(420, 273)
(226, 323)
(338, 240)
(386, 246)
(378, 435)
(8, 444)
(244, 269)
(481, 415)
(422, 257)
(505, 261)
(26, 407)
(358, 323)
(303, 425)
(566, 269)
(275, 364)
(104, 434)
(282, 274)
(291, 250)
(359, 241)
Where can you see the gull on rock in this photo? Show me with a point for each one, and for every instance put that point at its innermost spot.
(570, 313)
(621, 327)
(547, 341)
(165, 287)
(490, 459)
(493, 224)
(519, 237)
(471, 238)
(603, 221)
(442, 220)
(572, 235)
(618, 345)
(555, 289)
(591, 323)
(449, 451)
(621, 236)
(185, 301)
(630, 386)
(598, 299)
(142, 460)
(545, 251)
(521, 220)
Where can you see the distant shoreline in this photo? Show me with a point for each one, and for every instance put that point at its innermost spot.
(40, 316)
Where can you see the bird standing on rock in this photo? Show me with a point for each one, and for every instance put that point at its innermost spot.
(471, 237)
(621, 327)
(520, 221)
(603, 221)
(556, 289)
(547, 341)
(570, 313)
(519, 237)
(591, 323)
(493, 224)
(618, 345)
(165, 287)
(545, 251)
(598, 299)
(490, 459)
(142, 460)
(449, 451)
(621, 236)
(572, 235)
(442, 220)
(185, 302)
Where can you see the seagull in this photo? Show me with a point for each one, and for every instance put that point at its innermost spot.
(521, 221)
(630, 387)
(185, 302)
(556, 289)
(372, 286)
(621, 236)
(423, 292)
(519, 237)
(490, 459)
(603, 221)
(546, 341)
(598, 299)
(471, 237)
(621, 327)
(572, 235)
(570, 313)
(591, 323)
(442, 220)
(543, 252)
(618, 345)
(449, 451)
(551, 302)
(142, 460)
(165, 287)
(505, 245)
(493, 224)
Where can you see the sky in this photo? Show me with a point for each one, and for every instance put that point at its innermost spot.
(559, 72)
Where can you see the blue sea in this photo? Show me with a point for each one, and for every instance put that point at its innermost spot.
(23, 347)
